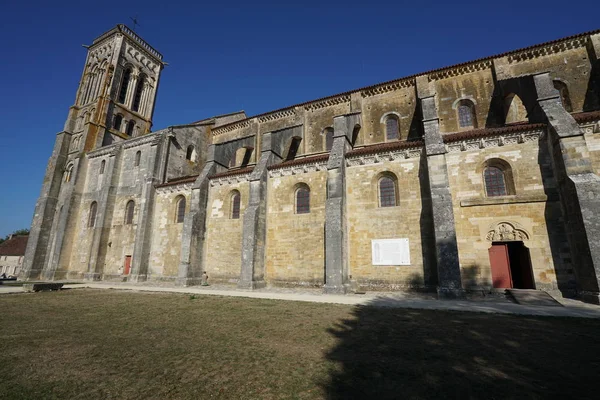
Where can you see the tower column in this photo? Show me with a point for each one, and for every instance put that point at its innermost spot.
(578, 185)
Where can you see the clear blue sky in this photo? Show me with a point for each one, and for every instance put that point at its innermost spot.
(227, 56)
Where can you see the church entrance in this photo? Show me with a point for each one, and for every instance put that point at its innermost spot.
(127, 266)
(511, 266)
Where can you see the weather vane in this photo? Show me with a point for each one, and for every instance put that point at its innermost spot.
(135, 22)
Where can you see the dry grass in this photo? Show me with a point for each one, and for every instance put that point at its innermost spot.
(123, 345)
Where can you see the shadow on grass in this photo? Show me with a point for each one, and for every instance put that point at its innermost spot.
(385, 353)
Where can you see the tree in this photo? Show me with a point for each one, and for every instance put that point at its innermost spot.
(18, 232)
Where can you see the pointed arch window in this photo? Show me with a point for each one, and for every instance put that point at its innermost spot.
(303, 200)
(387, 191)
(124, 85)
(130, 126)
(117, 122)
(139, 88)
(180, 214)
(129, 210)
(102, 165)
(563, 90)
(392, 128)
(466, 114)
(235, 205)
(92, 215)
(328, 133)
(138, 156)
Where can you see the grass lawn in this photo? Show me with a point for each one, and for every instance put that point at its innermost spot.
(104, 344)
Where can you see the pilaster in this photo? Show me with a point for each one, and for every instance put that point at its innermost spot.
(579, 187)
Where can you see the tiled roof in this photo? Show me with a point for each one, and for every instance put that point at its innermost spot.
(587, 116)
(300, 161)
(176, 181)
(234, 172)
(14, 247)
(381, 147)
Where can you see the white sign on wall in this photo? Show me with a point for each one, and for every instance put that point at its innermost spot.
(390, 251)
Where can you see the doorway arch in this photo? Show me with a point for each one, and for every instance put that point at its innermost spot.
(510, 261)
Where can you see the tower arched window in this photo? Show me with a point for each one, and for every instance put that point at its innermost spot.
(235, 205)
(102, 165)
(563, 90)
(303, 200)
(387, 192)
(328, 133)
(498, 178)
(466, 114)
(92, 215)
(138, 156)
(117, 122)
(68, 172)
(129, 210)
(130, 126)
(124, 85)
(190, 154)
(392, 128)
(139, 88)
(180, 210)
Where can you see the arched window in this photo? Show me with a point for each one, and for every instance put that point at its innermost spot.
(129, 209)
(130, 126)
(328, 133)
(387, 192)
(498, 178)
(466, 114)
(190, 153)
(117, 122)
(235, 205)
(92, 215)
(392, 128)
(303, 200)
(180, 215)
(564, 95)
(102, 164)
(137, 97)
(86, 117)
(68, 172)
(138, 156)
(124, 85)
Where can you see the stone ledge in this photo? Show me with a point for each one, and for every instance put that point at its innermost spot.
(488, 201)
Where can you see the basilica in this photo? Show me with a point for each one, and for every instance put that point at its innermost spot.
(479, 176)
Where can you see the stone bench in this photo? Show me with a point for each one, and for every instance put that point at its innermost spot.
(41, 287)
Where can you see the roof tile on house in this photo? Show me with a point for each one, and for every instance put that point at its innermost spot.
(14, 247)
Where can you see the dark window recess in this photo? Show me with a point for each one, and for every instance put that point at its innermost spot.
(235, 206)
(302, 201)
(387, 193)
(495, 185)
(391, 128)
(124, 85)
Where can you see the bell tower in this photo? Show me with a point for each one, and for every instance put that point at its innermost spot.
(117, 91)
(114, 102)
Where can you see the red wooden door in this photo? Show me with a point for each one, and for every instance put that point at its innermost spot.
(127, 265)
(500, 263)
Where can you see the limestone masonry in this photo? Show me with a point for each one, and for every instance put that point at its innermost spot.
(475, 176)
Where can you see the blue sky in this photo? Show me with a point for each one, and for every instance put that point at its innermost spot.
(227, 56)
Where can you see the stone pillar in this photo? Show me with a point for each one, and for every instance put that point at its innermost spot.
(194, 227)
(336, 254)
(579, 188)
(143, 234)
(446, 247)
(252, 275)
(45, 210)
(103, 219)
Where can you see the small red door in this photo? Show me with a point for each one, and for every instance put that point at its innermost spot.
(127, 265)
(500, 263)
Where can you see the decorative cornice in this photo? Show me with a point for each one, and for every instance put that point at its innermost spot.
(590, 128)
(153, 139)
(175, 188)
(231, 127)
(297, 169)
(545, 50)
(494, 141)
(105, 151)
(389, 155)
(229, 179)
(277, 115)
(387, 87)
(331, 101)
(460, 70)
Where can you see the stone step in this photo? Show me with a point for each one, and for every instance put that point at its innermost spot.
(532, 297)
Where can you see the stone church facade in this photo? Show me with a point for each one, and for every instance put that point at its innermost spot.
(480, 175)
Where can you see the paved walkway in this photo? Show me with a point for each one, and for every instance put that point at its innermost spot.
(572, 308)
